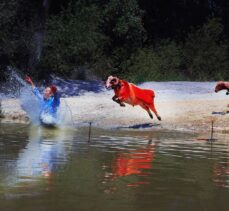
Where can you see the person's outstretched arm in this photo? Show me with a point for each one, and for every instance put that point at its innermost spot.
(29, 80)
(35, 89)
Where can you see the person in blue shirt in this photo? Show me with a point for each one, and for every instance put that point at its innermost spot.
(49, 102)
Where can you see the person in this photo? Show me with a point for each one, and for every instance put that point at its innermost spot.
(49, 102)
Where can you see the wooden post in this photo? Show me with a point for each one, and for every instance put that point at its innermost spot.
(89, 132)
(212, 130)
(1, 113)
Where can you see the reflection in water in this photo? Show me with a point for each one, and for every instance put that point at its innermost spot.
(134, 162)
(44, 169)
(43, 155)
(221, 174)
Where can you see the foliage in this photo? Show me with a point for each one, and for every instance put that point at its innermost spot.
(122, 22)
(73, 38)
(202, 56)
(7, 18)
(16, 31)
(138, 40)
(206, 53)
(86, 34)
(161, 62)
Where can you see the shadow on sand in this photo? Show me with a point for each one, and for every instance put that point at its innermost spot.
(140, 126)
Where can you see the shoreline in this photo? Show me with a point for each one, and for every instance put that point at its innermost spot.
(180, 114)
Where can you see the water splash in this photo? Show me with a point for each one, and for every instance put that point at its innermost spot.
(65, 114)
(30, 104)
(16, 87)
(12, 88)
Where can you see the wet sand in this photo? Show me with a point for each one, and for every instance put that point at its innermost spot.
(179, 111)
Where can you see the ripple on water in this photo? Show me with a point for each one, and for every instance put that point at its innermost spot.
(139, 169)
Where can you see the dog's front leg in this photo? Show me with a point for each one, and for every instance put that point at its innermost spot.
(117, 100)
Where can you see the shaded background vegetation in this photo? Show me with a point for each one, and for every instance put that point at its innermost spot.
(140, 40)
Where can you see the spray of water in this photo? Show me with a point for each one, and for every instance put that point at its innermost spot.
(11, 88)
(65, 115)
(16, 87)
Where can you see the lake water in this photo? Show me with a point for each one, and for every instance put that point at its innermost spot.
(50, 169)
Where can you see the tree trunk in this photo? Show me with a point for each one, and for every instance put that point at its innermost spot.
(39, 33)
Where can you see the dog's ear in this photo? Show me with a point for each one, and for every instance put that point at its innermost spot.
(115, 80)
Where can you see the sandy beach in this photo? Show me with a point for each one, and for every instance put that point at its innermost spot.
(181, 109)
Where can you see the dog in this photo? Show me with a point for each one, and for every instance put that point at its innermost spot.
(222, 85)
(129, 93)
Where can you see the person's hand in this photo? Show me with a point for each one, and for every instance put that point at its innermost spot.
(28, 79)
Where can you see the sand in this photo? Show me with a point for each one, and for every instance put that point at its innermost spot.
(179, 109)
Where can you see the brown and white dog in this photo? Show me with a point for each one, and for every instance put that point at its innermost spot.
(129, 93)
(222, 85)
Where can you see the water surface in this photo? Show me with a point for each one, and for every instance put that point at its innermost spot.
(50, 169)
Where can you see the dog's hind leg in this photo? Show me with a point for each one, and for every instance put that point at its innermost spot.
(145, 107)
(152, 108)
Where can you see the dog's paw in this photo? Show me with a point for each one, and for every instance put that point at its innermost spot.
(159, 118)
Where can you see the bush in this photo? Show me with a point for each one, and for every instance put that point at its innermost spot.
(206, 53)
(99, 36)
(73, 39)
(161, 62)
(203, 56)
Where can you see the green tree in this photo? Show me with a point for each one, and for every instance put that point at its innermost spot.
(17, 26)
(122, 23)
(73, 38)
(7, 20)
(161, 62)
(206, 53)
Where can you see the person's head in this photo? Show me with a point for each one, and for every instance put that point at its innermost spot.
(49, 91)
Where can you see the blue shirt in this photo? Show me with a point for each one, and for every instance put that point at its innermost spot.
(48, 106)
